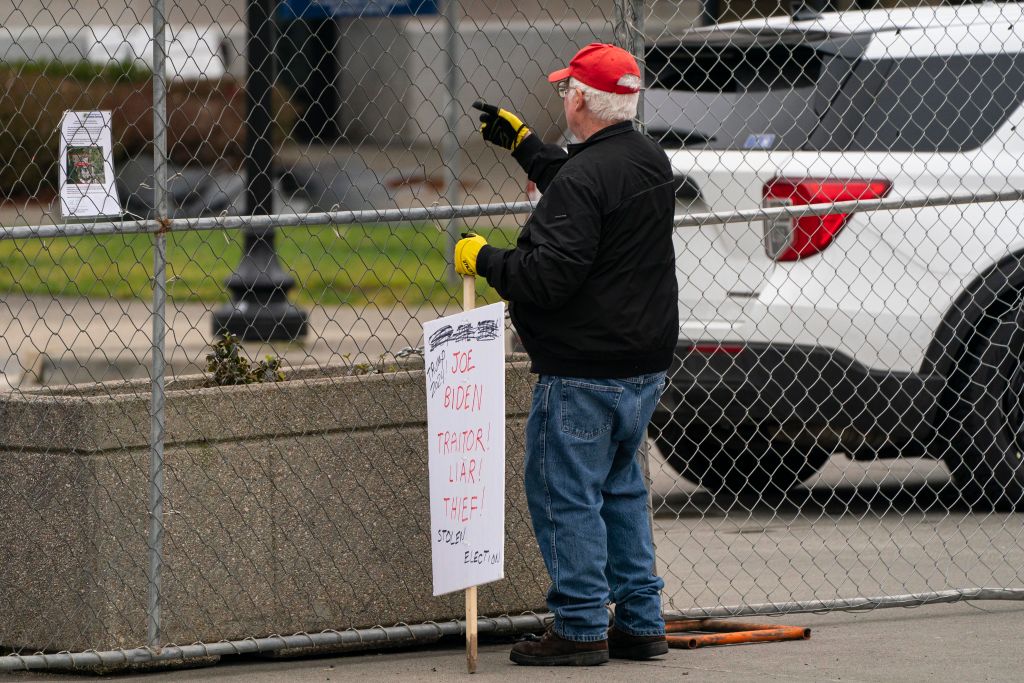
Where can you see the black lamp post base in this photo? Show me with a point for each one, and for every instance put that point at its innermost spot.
(277, 321)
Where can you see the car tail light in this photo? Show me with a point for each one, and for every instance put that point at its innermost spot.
(790, 239)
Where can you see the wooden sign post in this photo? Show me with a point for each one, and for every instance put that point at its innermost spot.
(464, 356)
(468, 304)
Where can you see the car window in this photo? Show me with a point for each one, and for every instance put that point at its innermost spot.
(746, 90)
(923, 104)
(804, 91)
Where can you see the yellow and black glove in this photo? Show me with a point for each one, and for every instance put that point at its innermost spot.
(500, 126)
(466, 251)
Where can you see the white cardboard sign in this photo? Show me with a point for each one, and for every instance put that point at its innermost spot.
(86, 174)
(465, 362)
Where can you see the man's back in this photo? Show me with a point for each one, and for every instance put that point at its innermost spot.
(615, 314)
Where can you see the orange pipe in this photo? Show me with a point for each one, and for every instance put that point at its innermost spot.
(720, 626)
(735, 638)
(684, 625)
(729, 633)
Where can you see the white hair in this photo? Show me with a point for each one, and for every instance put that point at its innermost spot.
(608, 106)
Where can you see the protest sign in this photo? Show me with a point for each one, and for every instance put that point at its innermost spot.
(465, 376)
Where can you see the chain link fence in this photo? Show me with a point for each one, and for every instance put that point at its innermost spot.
(843, 426)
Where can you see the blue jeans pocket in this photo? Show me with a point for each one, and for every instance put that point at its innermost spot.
(588, 409)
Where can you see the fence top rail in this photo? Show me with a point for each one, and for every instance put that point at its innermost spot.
(433, 213)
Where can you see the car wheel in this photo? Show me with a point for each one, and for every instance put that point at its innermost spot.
(985, 454)
(737, 463)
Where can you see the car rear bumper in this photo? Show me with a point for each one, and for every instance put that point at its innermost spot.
(802, 394)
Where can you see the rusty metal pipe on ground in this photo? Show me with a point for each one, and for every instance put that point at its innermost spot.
(728, 633)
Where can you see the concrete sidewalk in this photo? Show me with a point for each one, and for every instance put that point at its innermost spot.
(962, 642)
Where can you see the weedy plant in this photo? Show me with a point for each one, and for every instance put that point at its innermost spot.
(368, 368)
(229, 365)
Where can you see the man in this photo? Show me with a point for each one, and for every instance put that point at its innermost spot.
(593, 295)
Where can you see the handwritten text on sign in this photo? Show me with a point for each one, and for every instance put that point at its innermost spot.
(465, 362)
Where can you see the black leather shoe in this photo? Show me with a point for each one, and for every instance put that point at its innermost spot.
(553, 650)
(622, 645)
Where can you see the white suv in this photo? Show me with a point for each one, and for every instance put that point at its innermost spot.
(878, 334)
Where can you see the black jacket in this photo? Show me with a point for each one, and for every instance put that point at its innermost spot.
(592, 280)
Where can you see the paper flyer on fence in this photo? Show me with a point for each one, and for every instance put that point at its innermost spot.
(86, 167)
(465, 376)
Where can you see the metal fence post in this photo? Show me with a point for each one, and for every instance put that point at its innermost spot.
(638, 46)
(629, 35)
(156, 431)
(451, 148)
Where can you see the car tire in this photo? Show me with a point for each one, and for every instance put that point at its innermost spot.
(984, 455)
(736, 463)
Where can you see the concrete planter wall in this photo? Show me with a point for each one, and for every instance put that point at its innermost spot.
(290, 507)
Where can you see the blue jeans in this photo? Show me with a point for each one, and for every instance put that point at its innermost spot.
(588, 502)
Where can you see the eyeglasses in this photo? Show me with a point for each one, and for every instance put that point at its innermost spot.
(562, 88)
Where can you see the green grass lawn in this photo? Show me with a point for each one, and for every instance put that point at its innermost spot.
(354, 265)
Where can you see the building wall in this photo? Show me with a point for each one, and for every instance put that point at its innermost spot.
(230, 12)
(392, 85)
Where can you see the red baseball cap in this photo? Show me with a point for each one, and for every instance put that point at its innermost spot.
(600, 66)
